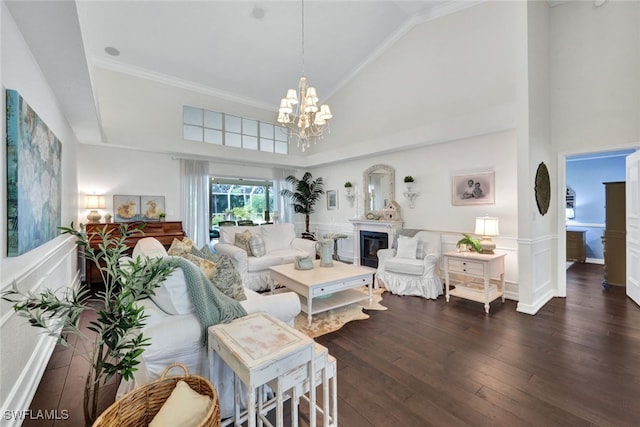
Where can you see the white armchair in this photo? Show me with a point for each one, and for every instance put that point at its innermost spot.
(414, 267)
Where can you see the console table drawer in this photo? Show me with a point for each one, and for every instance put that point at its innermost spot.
(337, 287)
(466, 267)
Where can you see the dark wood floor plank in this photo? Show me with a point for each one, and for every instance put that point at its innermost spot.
(433, 363)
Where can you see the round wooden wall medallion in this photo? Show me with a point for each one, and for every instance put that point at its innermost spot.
(543, 188)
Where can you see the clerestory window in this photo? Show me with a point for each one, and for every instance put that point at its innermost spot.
(217, 128)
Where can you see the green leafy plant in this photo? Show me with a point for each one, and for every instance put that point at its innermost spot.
(305, 194)
(118, 341)
(162, 215)
(348, 184)
(471, 242)
(408, 178)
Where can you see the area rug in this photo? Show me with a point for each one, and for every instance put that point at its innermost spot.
(332, 320)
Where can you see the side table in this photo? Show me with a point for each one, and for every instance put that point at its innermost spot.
(469, 266)
(259, 348)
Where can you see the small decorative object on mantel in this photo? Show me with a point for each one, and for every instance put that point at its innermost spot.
(391, 211)
(107, 217)
(349, 193)
(162, 216)
(409, 181)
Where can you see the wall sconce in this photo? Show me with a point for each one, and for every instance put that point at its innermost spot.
(349, 195)
(486, 227)
(411, 196)
(94, 202)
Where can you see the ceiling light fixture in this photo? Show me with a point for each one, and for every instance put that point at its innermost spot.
(299, 111)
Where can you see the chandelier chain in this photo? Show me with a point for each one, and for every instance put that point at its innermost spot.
(302, 37)
(305, 120)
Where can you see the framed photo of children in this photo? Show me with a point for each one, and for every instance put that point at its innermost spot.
(473, 189)
(332, 200)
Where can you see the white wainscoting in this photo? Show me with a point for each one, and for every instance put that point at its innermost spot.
(541, 271)
(25, 350)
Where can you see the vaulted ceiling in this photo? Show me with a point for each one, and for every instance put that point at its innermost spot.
(248, 51)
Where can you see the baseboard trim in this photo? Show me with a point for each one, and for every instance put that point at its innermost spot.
(533, 308)
(21, 395)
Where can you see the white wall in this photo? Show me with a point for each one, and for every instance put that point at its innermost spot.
(111, 170)
(146, 114)
(595, 64)
(447, 79)
(24, 351)
(433, 167)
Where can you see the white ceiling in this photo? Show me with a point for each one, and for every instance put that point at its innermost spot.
(242, 50)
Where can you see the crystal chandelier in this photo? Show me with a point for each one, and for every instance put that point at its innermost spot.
(299, 112)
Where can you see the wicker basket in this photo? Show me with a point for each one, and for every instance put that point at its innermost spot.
(138, 407)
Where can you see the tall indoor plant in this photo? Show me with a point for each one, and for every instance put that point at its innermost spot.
(118, 340)
(305, 194)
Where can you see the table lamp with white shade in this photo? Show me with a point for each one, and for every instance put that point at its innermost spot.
(487, 227)
(94, 202)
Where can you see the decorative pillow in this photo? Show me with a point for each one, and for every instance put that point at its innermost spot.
(185, 407)
(207, 267)
(149, 247)
(180, 248)
(207, 253)
(256, 242)
(228, 279)
(407, 247)
(172, 295)
(242, 241)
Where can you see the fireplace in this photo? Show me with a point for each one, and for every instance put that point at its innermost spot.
(370, 243)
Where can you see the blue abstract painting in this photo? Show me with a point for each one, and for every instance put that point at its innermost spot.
(34, 181)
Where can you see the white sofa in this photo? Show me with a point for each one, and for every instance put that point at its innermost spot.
(281, 246)
(174, 330)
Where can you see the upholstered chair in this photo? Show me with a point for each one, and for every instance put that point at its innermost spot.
(413, 267)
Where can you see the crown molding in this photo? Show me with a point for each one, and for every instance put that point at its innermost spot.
(176, 82)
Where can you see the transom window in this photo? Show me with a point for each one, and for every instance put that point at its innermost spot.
(217, 128)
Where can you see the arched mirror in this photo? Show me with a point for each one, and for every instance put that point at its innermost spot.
(378, 187)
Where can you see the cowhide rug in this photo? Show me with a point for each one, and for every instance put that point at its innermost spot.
(332, 320)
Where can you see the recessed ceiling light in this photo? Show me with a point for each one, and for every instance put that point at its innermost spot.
(112, 51)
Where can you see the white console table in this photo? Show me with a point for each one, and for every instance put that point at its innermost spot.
(471, 265)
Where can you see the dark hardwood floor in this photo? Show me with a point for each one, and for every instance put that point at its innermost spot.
(432, 363)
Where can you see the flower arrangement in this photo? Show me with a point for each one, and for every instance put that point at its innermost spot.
(348, 184)
(408, 178)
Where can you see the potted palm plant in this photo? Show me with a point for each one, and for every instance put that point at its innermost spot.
(117, 341)
(305, 194)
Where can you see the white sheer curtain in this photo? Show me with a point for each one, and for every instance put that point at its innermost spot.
(283, 206)
(194, 175)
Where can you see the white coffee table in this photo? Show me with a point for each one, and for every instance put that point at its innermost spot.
(324, 288)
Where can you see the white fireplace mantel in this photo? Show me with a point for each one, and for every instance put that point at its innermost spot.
(382, 226)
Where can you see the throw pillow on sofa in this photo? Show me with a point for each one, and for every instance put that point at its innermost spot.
(243, 241)
(208, 267)
(228, 279)
(180, 247)
(407, 247)
(256, 243)
(205, 252)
